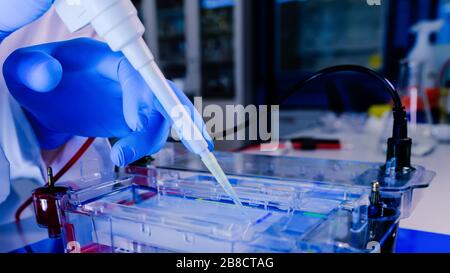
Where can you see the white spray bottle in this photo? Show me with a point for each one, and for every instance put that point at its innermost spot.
(423, 52)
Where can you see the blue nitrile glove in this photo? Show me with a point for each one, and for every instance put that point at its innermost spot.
(15, 14)
(81, 88)
(136, 99)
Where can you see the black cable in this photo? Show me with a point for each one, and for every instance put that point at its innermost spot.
(399, 145)
(398, 107)
(347, 68)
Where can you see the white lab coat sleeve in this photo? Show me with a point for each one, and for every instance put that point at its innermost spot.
(17, 139)
(4, 176)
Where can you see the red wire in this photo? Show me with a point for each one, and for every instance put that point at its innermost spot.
(74, 159)
(60, 174)
(22, 207)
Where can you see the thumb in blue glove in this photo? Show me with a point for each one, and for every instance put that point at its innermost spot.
(139, 106)
(81, 88)
(16, 14)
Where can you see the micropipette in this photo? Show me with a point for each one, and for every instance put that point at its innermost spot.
(117, 22)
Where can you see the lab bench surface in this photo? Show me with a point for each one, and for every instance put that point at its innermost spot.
(19, 236)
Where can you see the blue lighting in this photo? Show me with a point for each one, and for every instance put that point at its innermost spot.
(217, 4)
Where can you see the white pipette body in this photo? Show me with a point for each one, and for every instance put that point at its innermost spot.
(117, 22)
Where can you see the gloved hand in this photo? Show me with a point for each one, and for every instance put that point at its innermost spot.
(16, 14)
(82, 88)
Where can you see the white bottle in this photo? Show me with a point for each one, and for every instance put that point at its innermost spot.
(423, 53)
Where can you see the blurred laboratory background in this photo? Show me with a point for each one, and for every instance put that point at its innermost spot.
(257, 51)
(218, 48)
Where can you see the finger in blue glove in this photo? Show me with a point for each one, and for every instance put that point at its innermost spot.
(139, 103)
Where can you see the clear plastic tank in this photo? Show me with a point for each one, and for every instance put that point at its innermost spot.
(292, 205)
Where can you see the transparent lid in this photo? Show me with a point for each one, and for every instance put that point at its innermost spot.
(334, 172)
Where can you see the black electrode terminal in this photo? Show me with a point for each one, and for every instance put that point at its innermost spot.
(376, 205)
(50, 178)
(47, 205)
(399, 146)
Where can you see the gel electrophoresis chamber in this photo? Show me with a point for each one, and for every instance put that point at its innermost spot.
(291, 205)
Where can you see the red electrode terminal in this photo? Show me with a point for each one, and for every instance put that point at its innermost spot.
(47, 203)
